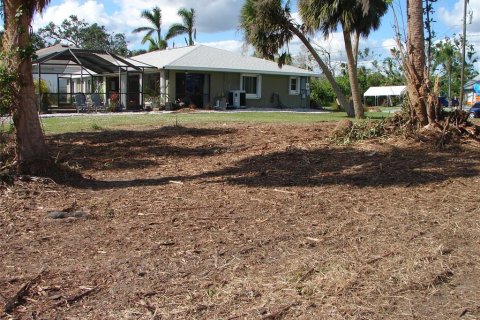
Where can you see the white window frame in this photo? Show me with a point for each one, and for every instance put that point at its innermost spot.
(258, 95)
(295, 92)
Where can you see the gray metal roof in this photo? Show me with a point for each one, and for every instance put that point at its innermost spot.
(97, 61)
(205, 58)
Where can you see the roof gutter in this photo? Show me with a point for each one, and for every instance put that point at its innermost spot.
(284, 73)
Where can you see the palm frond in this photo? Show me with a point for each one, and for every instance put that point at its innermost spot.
(40, 5)
(162, 44)
(142, 29)
(147, 37)
(352, 15)
(188, 17)
(188, 26)
(154, 16)
(175, 30)
(267, 26)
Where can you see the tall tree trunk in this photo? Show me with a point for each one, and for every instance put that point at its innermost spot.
(416, 86)
(352, 76)
(31, 150)
(326, 71)
(356, 44)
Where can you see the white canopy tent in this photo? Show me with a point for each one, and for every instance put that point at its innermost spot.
(385, 91)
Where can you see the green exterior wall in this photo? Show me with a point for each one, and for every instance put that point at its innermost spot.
(221, 83)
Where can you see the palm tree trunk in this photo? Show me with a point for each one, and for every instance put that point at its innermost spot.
(356, 43)
(416, 60)
(31, 150)
(352, 76)
(328, 74)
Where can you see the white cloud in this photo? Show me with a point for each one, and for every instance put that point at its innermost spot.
(453, 18)
(335, 45)
(214, 16)
(230, 45)
(91, 11)
(389, 43)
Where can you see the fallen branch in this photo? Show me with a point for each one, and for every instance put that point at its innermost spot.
(279, 190)
(284, 191)
(166, 243)
(17, 299)
(71, 300)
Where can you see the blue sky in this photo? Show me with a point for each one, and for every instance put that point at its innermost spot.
(218, 20)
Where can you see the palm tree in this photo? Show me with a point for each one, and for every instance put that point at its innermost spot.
(154, 45)
(444, 55)
(31, 151)
(355, 18)
(269, 27)
(188, 18)
(415, 67)
(155, 19)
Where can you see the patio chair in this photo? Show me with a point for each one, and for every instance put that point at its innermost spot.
(97, 104)
(80, 102)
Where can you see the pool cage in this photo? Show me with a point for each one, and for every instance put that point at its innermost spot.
(61, 72)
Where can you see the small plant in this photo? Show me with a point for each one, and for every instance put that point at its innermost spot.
(95, 126)
(211, 292)
(115, 105)
(109, 213)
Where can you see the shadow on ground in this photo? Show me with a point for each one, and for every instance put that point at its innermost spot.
(400, 166)
(124, 149)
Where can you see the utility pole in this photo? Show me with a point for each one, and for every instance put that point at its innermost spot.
(464, 41)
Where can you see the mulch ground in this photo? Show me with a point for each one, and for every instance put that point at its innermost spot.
(244, 222)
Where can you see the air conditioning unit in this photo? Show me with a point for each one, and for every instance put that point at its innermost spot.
(236, 98)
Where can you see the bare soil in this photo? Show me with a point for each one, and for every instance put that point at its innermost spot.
(244, 222)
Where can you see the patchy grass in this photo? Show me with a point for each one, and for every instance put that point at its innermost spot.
(132, 121)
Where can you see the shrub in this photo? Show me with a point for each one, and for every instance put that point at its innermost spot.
(8, 90)
(41, 87)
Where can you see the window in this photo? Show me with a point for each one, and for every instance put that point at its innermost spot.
(294, 86)
(252, 85)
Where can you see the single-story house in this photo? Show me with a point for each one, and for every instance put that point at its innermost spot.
(196, 75)
(207, 76)
(385, 91)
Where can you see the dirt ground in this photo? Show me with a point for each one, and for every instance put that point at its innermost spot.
(244, 222)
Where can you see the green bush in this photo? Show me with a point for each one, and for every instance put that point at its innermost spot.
(322, 94)
(41, 87)
(8, 91)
